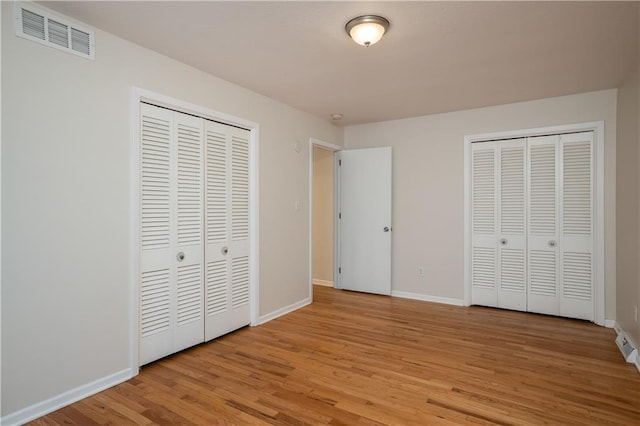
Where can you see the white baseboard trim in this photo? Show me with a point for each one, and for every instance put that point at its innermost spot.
(616, 327)
(322, 282)
(610, 324)
(52, 404)
(283, 311)
(427, 298)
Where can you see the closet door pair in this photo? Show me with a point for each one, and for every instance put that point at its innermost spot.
(532, 224)
(194, 230)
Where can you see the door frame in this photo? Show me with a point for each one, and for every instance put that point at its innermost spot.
(598, 239)
(336, 255)
(139, 95)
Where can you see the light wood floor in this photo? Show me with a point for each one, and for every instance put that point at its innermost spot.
(353, 358)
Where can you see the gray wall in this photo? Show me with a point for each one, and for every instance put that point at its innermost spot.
(628, 205)
(66, 212)
(428, 174)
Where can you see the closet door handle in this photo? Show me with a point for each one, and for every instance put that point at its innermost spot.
(224, 250)
(503, 242)
(552, 243)
(180, 257)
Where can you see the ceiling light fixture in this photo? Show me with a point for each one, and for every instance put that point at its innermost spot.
(367, 29)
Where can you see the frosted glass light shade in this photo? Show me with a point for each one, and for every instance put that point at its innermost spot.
(367, 30)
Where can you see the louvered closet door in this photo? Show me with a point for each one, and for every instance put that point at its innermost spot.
(172, 250)
(227, 229)
(532, 227)
(484, 254)
(543, 214)
(511, 276)
(576, 225)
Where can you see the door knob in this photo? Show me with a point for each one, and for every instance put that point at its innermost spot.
(504, 241)
(386, 229)
(552, 243)
(180, 257)
(224, 250)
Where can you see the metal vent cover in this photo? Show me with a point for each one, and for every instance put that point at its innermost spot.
(41, 26)
(629, 352)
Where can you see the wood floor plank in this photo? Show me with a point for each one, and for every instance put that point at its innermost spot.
(360, 359)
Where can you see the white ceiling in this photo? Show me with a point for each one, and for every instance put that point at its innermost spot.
(436, 57)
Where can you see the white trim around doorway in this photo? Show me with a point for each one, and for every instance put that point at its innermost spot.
(598, 134)
(335, 148)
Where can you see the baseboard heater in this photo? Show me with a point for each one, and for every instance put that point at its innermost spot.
(629, 352)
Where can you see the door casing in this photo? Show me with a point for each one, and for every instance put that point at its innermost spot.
(336, 255)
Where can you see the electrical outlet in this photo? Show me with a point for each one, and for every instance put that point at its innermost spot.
(420, 271)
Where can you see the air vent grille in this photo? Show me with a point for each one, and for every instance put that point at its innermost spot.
(43, 27)
(82, 42)
(32, 24)
(58, 33)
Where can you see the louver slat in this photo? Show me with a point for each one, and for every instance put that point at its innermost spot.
(216, 187)
(576, 275)
(81, 41)
(543, 190)
(189, 293)
(239, 188)
(216, 287)
(512, 271)
(58, 33)
(483, 192)
(155, 203)
(189, 185)
(240, 281)
(154, 302)
(484, 267)
(577, 189)
(512, 190)
(33, 24)
(543, 272)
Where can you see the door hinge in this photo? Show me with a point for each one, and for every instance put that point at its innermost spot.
(340, 215)
(339, 162)
(340, 270)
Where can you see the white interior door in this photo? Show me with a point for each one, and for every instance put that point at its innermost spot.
(171, 289)
(544, 207)
(194, 188)
(365, 220)
(227, 229)
(532, 224)
(484, 228)
(512, 288)
(576, 224)
(188, 207)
